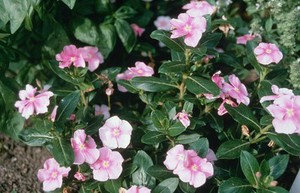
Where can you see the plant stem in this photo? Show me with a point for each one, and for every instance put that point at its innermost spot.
(259, 136)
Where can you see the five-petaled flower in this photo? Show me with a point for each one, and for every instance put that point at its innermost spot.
(51, 175)
(92, 57)
(102, 110)
(108, 165)
(115, 133)
(267, 53)
(163, 23)
(70, 55)
(85, 150)
(31, 102)
(183, 117)
(199, 8)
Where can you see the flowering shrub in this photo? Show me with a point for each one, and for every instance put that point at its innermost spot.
(139, 96)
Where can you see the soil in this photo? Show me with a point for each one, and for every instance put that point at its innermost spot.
(19, 165)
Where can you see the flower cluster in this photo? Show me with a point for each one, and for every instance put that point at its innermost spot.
(285, 110)
(71, 55)
(188, 166)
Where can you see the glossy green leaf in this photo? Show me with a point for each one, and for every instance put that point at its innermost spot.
(274, 190)
(152, 84)
(290, 143)
(113, 186)
(172, 66)
(125, 34)
(86, 31)
(62, 151)
(8, 96)
(278, 165)
(243, 115)
(176, 129)
(128, 169)
(249, 167)
(124, 12)
(160, 172)
(188, 107)
(187, 139)
(69, 3)
(200, 146)
(126, 84)
(66, 107)
(266, 120)
(167, 186)
(198, 85)
(186, 187)
(160, 120)
(164, 37)
(107, 39)
(215, 122)
(235, 185)
(153, 137)
(211, 40)
(35, 136)
(14, 123)
(232, 149)
(94, 125)
(251, 57)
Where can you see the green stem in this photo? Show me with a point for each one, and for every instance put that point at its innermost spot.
(259, 136)
(83, 99)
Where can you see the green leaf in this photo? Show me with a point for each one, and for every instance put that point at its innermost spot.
(278, 165)
(8, 96)
(187, 139)
(164, 37)
(94, 125)
(198, 85)
(176, 129)
(290, 143)
(232, 149)
(14, 124)
(266, 120)
(177, 56)
(167, 186)
(113, 186)
(211, 40)
(200, 146)
(235, 185)
(126, 84)
(249, 167)
(159, 172)
(269, 24)
(172, 66)
(188, 107)
(107, 39)
(86, 31)
(186, 187)
(243, 115)
(62, 151)
(69, 3)
(251, 57)
(160, 120)
(215, 122)
(199, 51)
(274, 190)
(124, 12)
(35, 136)
(140, 176)
(153, 137)
(152, 84)
(128, 169)
(66, 107)
(125, 34)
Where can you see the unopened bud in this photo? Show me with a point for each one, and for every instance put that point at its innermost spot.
(273, 183)
(271, 143)
(258, 174)
(122, 190)
(109, 91)
(245, 131)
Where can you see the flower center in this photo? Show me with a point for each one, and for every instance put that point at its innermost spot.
(116, 132)
(140, 71)
(181, 157)
(81, 146)
(72, 59)
(32, 99)
(268, 51)
(290, 112)
(105, 164)
(54, 174)
(236, 89)
(194, 167)
(187, 28)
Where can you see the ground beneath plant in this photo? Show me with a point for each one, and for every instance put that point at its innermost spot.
(19, 165)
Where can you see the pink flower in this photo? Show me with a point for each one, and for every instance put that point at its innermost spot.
(102, 110)
(211, 156)
(84, 150)
(286, 113)
(163, 23)
(30, 103)
(183, 117)
(236, 90)
(52, 175)
(92, 56)
(189, 27)
(195, 171)
(199, 8)
(108, 165)
(266, 53)
(79, 176)
(222, 110)
(278, 93)
(136, 189)
(138, 31)
(243, 39)
(53, 114)
(141, 69)
(115, 133)
(70, 55)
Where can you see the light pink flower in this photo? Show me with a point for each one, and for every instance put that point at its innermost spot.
(102, 110)
(286, 113)
(138, 31)
(211, 156)
(195, 171)
(188, 27)
(109, 91)
(245, 38)
(236, 90)
(163, 23)
(92, 56)
(115, 133)
(222, 110)
(79, 176)
(136, 189)
(51, 175)
(53, 114)
(70, 55)
(267, 53)
(199, 8)
(30, 102)
(207, 58)
(108, 165)
(278, 93)
(127, 75)
(183, 117)
(85, 150)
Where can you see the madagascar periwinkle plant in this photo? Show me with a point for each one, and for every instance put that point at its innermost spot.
(152, 96)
